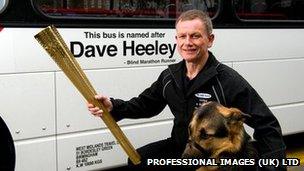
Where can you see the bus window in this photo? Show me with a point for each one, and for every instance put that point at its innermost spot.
(166, 9)
(280, 10)
(3, 5)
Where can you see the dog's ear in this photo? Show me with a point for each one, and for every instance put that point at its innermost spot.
(245, 115)
(237, 115)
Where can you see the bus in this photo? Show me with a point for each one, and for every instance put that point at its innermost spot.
(122, 46)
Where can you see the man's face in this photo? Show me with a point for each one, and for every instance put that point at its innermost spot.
(193, 40)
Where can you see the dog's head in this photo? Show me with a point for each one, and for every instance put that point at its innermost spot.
(214, 129)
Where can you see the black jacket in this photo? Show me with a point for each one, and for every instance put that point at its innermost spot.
(216, 82)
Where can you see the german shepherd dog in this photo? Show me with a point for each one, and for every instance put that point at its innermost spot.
(217, 132)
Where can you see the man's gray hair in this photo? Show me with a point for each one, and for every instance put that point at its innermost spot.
(196, 14)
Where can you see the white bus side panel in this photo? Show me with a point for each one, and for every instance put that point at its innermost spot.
(72, 113)
(7, 61)
(28, 53)
(99, 149)
(36, 154)
(258, 44)
(28, 105)
(290, 117)
(279, 81)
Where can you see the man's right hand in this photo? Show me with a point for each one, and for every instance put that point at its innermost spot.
(104, 100)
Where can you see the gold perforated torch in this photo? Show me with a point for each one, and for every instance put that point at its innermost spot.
(53, 43)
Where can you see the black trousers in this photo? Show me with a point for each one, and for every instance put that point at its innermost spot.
(164, 149)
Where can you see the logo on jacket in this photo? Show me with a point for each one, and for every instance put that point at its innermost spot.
(202, 98)
(203, 95)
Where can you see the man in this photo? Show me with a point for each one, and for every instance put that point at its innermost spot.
(198, 78)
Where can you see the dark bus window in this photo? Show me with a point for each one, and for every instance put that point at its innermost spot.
(284, 10)
(135, 9)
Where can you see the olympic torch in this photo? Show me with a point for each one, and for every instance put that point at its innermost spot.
(53, 43)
